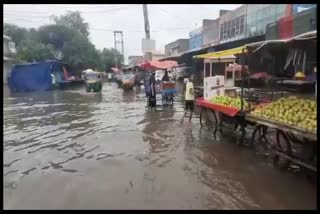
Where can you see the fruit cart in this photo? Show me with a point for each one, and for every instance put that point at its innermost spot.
(215, 112)
(292, 119)
(165, 91)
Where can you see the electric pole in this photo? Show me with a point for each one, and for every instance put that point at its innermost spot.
(147, 28)
(118, 41)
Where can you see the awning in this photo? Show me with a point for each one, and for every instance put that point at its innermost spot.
(312, 35)
(154, 65)
(219, 54)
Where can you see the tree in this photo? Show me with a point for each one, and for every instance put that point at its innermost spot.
(108, 58)
(66, 40)
(16, 33)
(73, 20)
(33, 51)
(57, 35)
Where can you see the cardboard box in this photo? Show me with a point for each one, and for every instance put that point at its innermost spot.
(214, 81)
(213, 86)
(209, 94)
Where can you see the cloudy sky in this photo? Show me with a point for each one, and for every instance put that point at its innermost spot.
(167, 22)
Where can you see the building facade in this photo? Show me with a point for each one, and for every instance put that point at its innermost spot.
(177, 47)
(259, 15)
(8, 51)
(295, 24)
(297, 8)
(232, 25)
(210, 32)
(195, 39)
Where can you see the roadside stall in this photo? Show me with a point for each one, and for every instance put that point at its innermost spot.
(222, 101)
(293, 115)
(166, 89)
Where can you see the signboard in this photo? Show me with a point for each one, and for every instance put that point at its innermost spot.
(148, 45)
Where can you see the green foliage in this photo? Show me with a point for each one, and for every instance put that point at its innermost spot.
(16, 33)
(33, 51)
(57, 35)
(108, 58)
(66, 40)
(74, 21)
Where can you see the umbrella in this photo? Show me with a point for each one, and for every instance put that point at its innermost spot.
(154, 65)
(236, 67)
(260, 75)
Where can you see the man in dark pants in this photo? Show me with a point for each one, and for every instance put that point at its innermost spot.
(189, 98)
(152, 94)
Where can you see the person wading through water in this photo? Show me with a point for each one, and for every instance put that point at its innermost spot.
(165, 77)
(189, 99)
(152, 94)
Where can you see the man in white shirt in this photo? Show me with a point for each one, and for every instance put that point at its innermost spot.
(189, 98)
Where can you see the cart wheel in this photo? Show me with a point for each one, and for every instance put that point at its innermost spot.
(311, 175)
(207, 118)
(240, 130)
(259, 141)
(282, 145)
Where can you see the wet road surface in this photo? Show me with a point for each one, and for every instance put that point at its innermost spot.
(76, 150)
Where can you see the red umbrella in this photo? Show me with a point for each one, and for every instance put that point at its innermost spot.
(260, 75)
(154, 65)
(236, 67)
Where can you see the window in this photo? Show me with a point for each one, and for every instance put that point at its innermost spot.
(241, 25)
(280, 9)
(272, 10)
(221, 32)
(259, 15)
(207, 70)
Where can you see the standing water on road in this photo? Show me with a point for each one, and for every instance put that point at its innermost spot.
(76, 150)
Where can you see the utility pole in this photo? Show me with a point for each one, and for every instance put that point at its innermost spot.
(146, 28)
(117, 42)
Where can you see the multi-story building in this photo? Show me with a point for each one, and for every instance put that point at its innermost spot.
(8, 51)
(210, 32)
(298, 21)
(259, 15)
(177, 47)
(232, 25)
(195, 39)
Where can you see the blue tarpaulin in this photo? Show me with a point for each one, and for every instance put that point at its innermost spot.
(34, 76)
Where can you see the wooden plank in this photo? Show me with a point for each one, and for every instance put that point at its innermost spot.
(296, 161)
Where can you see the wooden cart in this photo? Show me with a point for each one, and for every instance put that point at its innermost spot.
(213, 116)
(285, 140)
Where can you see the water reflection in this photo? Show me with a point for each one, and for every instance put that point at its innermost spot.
(111, 141)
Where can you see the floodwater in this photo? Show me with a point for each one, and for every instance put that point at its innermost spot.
(76, 150)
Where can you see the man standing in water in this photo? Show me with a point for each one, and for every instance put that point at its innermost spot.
(152, 94)
(189, 98)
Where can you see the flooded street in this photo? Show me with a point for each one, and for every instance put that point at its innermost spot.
(76, 150)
